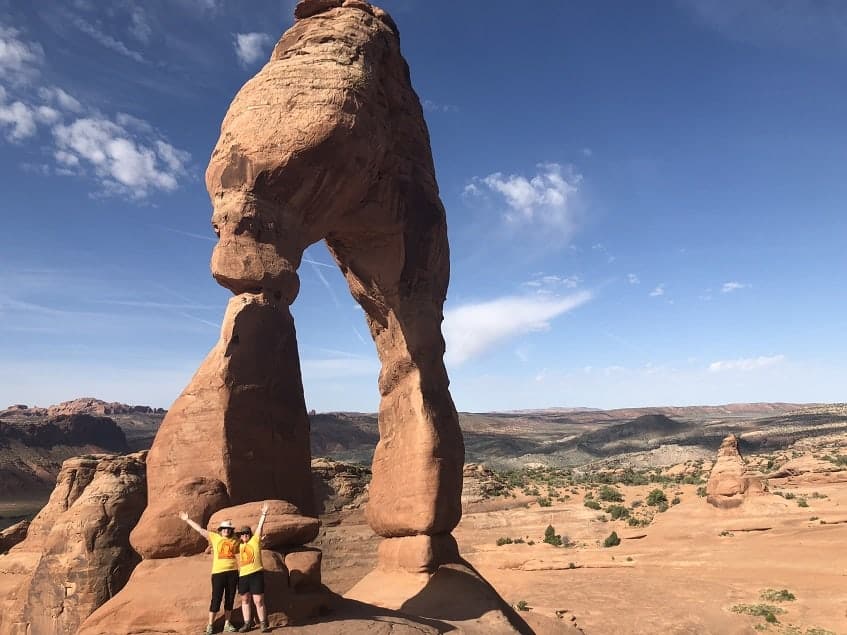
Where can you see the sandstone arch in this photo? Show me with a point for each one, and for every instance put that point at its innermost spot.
(326, 142)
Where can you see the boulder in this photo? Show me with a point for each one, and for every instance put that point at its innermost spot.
(164, 535)
(12, 535)
(284, 525)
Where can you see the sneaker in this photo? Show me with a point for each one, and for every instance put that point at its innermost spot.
(229, 628)
(209, 630)
(246, 628)
(265, 627)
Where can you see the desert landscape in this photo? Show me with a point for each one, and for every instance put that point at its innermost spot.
(415, 517)
(537, 517)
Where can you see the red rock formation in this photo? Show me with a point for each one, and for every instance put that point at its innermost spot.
(729, 483)
(12, 535)
(76, 554)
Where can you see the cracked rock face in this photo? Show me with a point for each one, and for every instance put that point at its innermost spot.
(77, 554)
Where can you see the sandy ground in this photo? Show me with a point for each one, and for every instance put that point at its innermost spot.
(681, 574)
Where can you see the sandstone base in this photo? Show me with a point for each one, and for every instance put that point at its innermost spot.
(455, 595)
(172, 596)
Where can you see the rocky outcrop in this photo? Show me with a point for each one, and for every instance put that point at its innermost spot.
(12, 535)
(284, 525)
(338, 485)
(71, 430)
(76, 554)
(811, 470)
(327, 142)
(729, 482)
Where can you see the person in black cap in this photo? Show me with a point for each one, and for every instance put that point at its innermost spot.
(224, 569)
(251, 574)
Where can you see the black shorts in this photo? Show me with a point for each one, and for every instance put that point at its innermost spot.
(253, 583)
(223, 583)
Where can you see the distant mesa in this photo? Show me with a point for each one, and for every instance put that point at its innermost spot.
(82, 405)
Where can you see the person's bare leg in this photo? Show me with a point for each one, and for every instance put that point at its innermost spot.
(245, 607)
(211, 618)
(259, 599)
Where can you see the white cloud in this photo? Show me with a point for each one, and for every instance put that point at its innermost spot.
(659, 290)
(550, 284)
(251, 47)
(729, 287)
(105, 39)
(471, 329)
(547, 199)
(813, 24)
(19, 119)
(632, 278)
(19, 60)
(432, 106)
(587, 152)
(58, 97)
(749, 363)
(140, 27)
(123, 164)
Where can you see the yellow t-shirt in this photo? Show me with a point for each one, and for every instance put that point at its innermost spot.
(250, 556)
(223, 553)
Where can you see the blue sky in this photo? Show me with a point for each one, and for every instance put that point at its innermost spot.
(646, 202)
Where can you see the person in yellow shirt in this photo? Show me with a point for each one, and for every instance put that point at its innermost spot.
(224, 569)
(251, 574)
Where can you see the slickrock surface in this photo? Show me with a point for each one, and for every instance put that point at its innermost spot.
(284, 525)
(76, 554)
(729, 483)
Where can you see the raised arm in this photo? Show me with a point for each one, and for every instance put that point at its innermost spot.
(262, 517)
(193, 525)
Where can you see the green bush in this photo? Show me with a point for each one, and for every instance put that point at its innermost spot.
(504, 541)
(612, 540)
(656, 497)
(675, 500)
(610, 494)
(801, 502)
(617, 511)
(781, 595)
(701, 491)
(522, 606)
(767, 611)
(551, 537)
(544, 502)
(592, 504)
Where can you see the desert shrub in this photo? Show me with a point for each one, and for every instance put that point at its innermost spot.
(592, 504)
(518, 541)
(504, 541)
(662, 506)
(656, 497)
(788, 495)
(675, 501)
(617, 511)
(637, 503)
(819, 631)
(612, 540)
(610, 495)
(522, 606)
(813, 517)
(726, 532)
(781, 595)
(551, 537)
(818, 495)
(632, 521)
(767, 611)
(571, 565)
(801, 502)
(629, 558)
(701, 491)
(544, 502)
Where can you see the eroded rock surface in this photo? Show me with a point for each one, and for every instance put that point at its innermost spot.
(77, 553)
(12, 535)
(729, 482)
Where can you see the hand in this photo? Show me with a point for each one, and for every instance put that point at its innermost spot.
(265, 509)
(183, 516)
